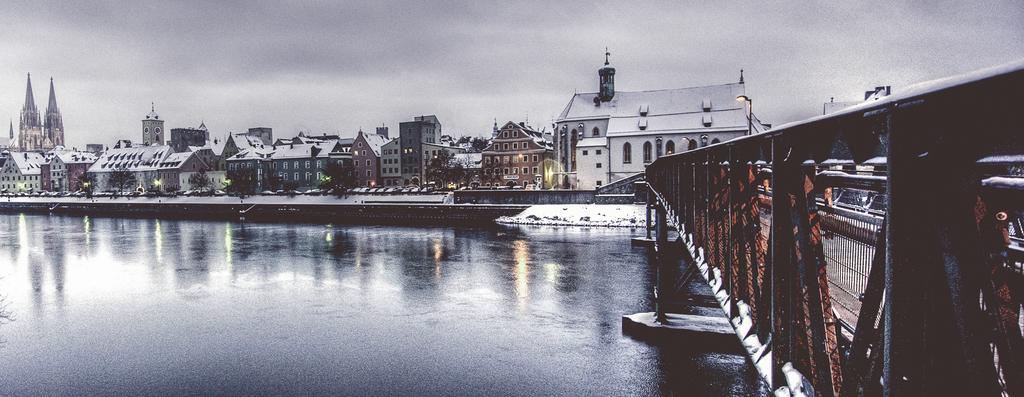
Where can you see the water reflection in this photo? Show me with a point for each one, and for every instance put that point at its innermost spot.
(366, 309)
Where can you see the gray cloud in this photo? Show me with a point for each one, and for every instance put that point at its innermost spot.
(335, 67)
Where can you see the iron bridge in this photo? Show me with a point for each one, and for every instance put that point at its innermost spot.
(873, 251)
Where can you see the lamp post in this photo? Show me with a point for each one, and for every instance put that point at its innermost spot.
(750, 112)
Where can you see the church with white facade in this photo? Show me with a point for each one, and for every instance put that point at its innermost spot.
(602, 137)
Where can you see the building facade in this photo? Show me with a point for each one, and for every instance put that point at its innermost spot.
(366, 158)
(65, 168)
(21, 173)
(391, 163)
(518, 156)
(300, 165)
(412, 135)
(608, 135)
(142, 161)
(182, 138)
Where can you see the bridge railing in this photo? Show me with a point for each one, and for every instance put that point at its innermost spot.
(925, 278)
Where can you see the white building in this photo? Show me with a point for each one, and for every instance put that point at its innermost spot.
(142, 161)
(601, 137)
(21, 172)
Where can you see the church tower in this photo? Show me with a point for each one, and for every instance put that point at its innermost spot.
(53, 124)
(30, 133)
(607, 77)
(152, 128)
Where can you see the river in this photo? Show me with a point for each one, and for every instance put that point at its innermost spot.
(142, 306)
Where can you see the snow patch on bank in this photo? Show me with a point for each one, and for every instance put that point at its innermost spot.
(608, 215)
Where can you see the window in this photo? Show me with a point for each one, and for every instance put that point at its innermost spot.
(598, 165)
(505, 146)
(627, 153)
(584, 152)
(506, 171)
(367, 172)
(647, 152)
(515, 146)
(595, 132)
(526, 170)
(598, 183)
(296, 164)
(285, 165)
(535, 158)
(307, 163)
(534, 170)
(367, 163)
(598, 151)
(308, 176)
(296, 177)
(670, 147)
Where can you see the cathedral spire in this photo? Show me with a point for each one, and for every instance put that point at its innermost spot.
(741, 76)
(30, 100)
(52, 105)
(53, 123)
(11, 136)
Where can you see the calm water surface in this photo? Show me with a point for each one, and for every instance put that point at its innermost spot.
(142, 306)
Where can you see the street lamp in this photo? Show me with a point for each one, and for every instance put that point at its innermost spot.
(750, 112)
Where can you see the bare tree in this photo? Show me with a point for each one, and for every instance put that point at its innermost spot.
(121, 178)
(199, 181)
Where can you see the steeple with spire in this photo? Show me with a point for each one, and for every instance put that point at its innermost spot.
(53, 124)
(30, 133)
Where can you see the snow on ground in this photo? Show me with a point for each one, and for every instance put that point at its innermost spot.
(611, 215)
(281, 199)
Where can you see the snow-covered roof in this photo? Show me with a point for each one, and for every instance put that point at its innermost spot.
(375, 142)
(175, 160)
(27, 163)
(74, 157)
(692, 109)
(140, 158)
(305, 150)
(253, 154)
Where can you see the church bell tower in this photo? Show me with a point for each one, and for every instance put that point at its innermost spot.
(607, 76)
(152, 128)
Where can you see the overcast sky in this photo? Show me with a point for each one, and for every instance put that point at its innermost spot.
(338, 67)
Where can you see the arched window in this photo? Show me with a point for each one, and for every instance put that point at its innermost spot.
(657, 147)
(714, 141)
(627, 153)
(692, 145)
(647, 152)
(595, 132)
(670, 147)
(572, 150)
